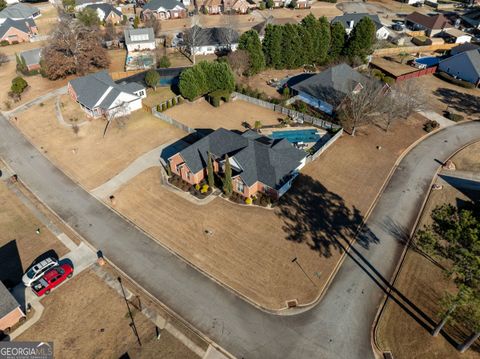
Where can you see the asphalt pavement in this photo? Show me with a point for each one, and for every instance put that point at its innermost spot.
(338, 327)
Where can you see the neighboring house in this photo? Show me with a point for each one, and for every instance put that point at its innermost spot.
(164, 9)
(259, 164)
(19, 12)
(455, 36)
(432, 25)
(16, 31)
(80, 4)
(211, 7)
(107, 12)
(211, 40)
(242, 6)
(31, 58)
(465, 66)
(140, 39)
(98, 95)
(10, 311)
(350, 20)
(411, 2)
(327, 89)
(471, 19)
(260, 27)
(464, 47)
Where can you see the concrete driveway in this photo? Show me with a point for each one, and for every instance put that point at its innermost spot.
(339, 327)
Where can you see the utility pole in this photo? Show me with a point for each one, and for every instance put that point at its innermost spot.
(295, 260)
(132, 323)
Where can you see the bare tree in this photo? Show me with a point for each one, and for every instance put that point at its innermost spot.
(229, 23)
(120, 114)
(192, 37)
(239, 61)
(3, 58)
(154, 23)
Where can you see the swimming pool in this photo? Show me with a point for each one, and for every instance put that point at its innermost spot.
(428, 61)
(295, 136)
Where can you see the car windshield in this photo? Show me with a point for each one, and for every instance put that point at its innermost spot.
(31, 273)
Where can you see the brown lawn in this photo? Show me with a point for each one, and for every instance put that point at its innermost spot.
(318, 9)
(468, 159)
(424, 284)
(46, 22)
(155, 97)
(117, 60)
(37, 86)
(19, 243)
(229, 115)
(23, 46)
(251, 248)
(88, 157)
(85, 318)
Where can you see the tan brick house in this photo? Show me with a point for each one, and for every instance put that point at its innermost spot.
(16, 31)
(259, 164)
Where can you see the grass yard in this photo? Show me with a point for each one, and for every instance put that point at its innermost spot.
(201, 114)
(251, 248)
(424, 284)
(19, 243)
(117, 60)
(99, 316)
(23, 46)
(37, 86)
(88, 157)
(468, 159)
(318, 9)
(46, 23)
(158, 96)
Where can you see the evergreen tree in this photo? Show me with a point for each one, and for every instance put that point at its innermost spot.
(152, 78)
(361, 39)
(311, 26)
(292, 47)
(188, 84)
(272, 46)
(3, 4)
(337, 41)
(227, 179)
(250, 42)
(210, 176)
(324, 40)
(307, 53)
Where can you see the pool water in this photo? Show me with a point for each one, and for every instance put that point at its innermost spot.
(296, 136)
(428, 61)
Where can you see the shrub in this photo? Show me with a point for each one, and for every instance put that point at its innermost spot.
(430, 125)
(15, 42)
(159, 108)
(4, 43)
(257, 125)
(204, 188)
(18, 85)
(164, 62)
(455, 81)
(169, 104)
(248, 200)
(455, 117)
(174, 101)
(214, 101)
(197, 187)
(164, 107)
(388, 80)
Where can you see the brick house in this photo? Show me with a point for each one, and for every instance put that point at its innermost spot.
(432, 25)
(16, 31)
(211, 7)
(31, 58)
(164, 9)
(259, 164)
(10, 311)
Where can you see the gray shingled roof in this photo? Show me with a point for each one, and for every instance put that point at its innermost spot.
(261, 158)
(32, 57)
(83, 2)
(106, 8)
(148, 31)
(91, 88)
(346, 18)
(213, 36)
(467, 46)
(331, 85)
(166, 4)
(7, 301)
(18, 11)
(18, 24)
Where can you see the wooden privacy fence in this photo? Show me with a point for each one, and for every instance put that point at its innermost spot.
(413, 49)
(295, 115)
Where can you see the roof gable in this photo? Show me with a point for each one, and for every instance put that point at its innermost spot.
(165, 4)
(21, 25)
(19, 11)
(345, 19)
(436, 22)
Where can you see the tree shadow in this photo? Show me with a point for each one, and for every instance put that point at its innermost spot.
(318, 217)
(459, 101)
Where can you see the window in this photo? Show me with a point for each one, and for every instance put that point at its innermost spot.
(240, 186)
(179, 167)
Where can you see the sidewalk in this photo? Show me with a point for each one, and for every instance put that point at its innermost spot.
(442, 121)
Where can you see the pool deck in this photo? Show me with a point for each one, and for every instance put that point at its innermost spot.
(321, 133)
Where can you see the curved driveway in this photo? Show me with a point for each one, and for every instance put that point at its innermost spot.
(339, 327)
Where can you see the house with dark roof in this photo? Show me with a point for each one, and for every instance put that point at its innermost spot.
(31, 58)
(140, 39)
(211, 40)
(210, 7)
(19, 12)
(260, 27)
(259, 164)
(464, 65)
(16, 31)
(107, 12)
(10, 311)
(471, 19)
(164, 9)
(467, 46)
(431, 24)
(350, 20)
(80, 4)
(98, 95)
(327, 89)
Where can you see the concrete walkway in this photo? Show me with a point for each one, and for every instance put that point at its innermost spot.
(442, 121)
(60, 119)
(36, 101)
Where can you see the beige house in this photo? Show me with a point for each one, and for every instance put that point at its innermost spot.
(10, 311)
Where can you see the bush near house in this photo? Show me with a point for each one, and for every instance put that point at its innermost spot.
(216, 96)
(18, 85)
(455, 117)
(430, 125)
(453, 80)
(164, 62)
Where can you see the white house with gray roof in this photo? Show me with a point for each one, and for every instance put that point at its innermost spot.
(98, 95)
(464, 65)
(19, 12)
(80, 4)
(140, 39)
(350, 20)
(107, 12)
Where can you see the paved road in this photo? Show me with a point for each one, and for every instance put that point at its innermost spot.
(339, 327)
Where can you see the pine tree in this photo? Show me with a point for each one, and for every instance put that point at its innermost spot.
(292, 47)
(272, 46)
(250, 42)
(337, 41)
(361, 39)
(227, 179)
(152, 78)
(211, 179)
(311, 26)
(324, 40)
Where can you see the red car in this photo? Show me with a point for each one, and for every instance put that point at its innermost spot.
(51, 279)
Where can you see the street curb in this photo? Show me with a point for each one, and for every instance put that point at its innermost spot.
(375, 346)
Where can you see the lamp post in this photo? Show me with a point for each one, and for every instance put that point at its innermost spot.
(295, 260)
(132, 323)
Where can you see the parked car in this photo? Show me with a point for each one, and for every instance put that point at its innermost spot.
(52, 279)
(37, 270)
